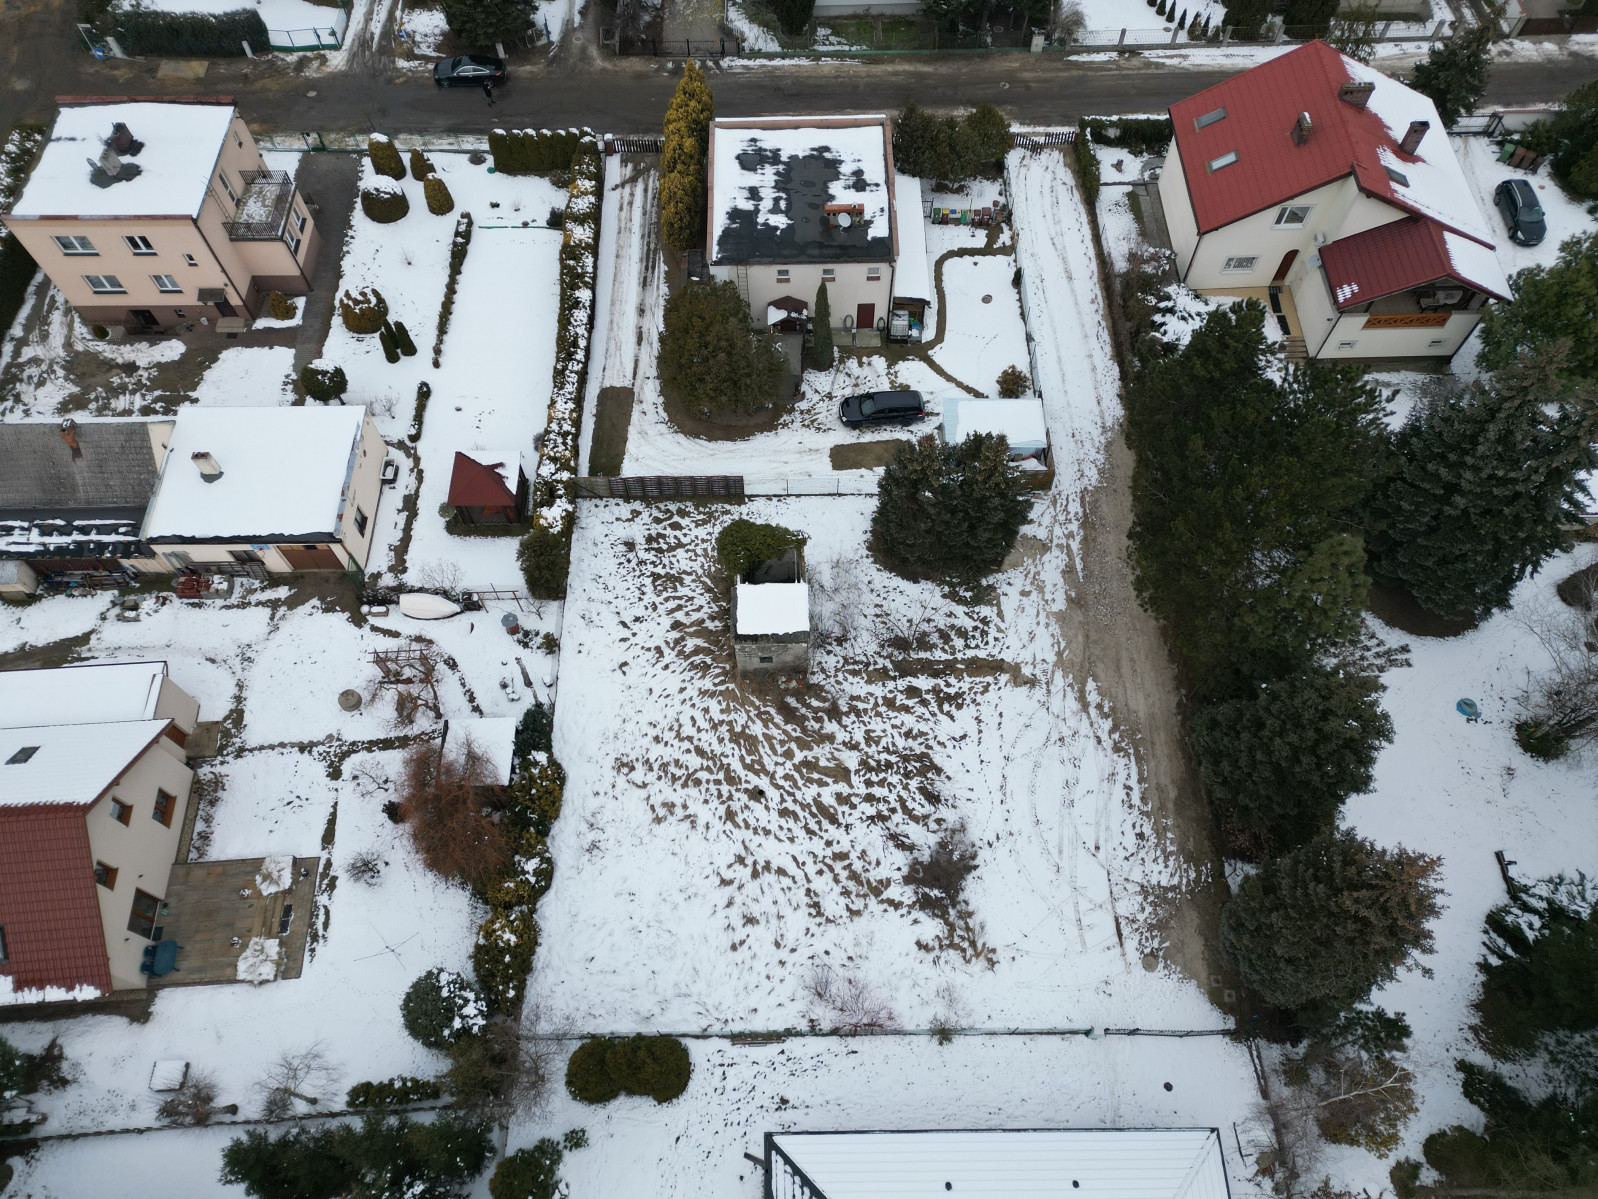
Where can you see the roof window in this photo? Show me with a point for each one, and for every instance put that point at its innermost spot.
(1209, 118)
(22, 755)
(1225, 160)
(1397, 177)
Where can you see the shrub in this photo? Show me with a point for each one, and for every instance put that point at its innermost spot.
(280, 306)
(683, 194)
(588, 1077)
(424, 392)
(441, 1007)
(743, 545)
(363, 311)
(448, 824)
(384, 201)
(500, 1075)
(324, 381)
(949, 149)
(457, 259)
(711, 358)
(537, 790)
(656, 1066)
(386, 338)
(1540, 972)
(1140, 135)
(528, 1173)
(439, 201)
(1013, 383)
(545, 558)
(1087, 165)
(820, 353)
(378, 1156)
(533, 735)
(399, 1091)
(402, 339)
(421, 165)
(793, 15)
(385, 156)
(502, 957)
(1541, 740)
(531, 873)
(143, 33)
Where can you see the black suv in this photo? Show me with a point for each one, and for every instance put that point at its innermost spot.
(1522, 214)
(882, 408)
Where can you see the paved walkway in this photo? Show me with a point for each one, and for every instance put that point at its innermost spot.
(329, 183)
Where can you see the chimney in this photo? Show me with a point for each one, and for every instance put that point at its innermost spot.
(121, 138)
(210, 469)
(1357, 94)
(1411, 142)
(1302, 128)
(69, 434)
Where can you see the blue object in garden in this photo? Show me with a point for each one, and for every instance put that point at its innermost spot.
(1468, 709)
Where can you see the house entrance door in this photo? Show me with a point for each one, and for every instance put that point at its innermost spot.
(1287, 265)
(144, 318)
(223, 308)
(311, 557)
(865, 317)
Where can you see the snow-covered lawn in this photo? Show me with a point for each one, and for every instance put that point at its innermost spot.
(248, 375)
(280, 16)
(983, 329)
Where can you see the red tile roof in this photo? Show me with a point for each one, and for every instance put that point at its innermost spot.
(476, 485)
(1262, 106)
(49, 905)
(1394, 258)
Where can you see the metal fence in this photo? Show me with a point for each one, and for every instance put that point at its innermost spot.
(659, 47)
(661, 487)
(1117, 39)
(633, 145)
(1040, 141)
(851, 484)
(321, 37)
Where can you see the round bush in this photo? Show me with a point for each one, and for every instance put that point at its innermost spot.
(439, 201)
(588, 1076)
(323, 381)
(441, 1007)
(655, 1066)
(280, 306)
(363, 311)
(537, 792)
(528, 1173)
(385, 156)
(384, 201)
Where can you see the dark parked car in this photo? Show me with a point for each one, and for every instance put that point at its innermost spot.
(469, 70)
(882, 408)
(1522, 214)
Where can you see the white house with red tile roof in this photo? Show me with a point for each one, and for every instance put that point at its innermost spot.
(94, 787)
(1330, 191)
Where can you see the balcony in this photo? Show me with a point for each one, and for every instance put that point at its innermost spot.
(263, 208)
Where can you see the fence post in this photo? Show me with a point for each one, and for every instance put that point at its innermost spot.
(1438, 32)
(1175, 33)
(1226, 34)
(1121, 41)
(1386, 29)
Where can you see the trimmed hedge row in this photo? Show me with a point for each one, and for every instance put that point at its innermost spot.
(535, 152)
(457, 259)
(399, 1091)
(189, 35)
(545, 553)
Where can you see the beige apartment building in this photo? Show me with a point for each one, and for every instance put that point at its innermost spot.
(161, 215)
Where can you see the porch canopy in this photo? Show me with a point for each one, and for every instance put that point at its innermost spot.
(1405, 255)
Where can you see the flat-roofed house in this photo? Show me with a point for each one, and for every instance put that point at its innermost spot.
(156, 215)
(94, 788)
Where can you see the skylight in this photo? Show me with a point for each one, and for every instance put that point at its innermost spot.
(1209, 118)
(1225, 160)
(1397, 177)
(22, 755)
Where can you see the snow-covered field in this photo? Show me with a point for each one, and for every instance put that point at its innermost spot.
(280, 16)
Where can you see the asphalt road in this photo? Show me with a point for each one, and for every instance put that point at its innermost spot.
(581, 86)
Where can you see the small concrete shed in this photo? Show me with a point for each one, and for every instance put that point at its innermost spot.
(771, 627)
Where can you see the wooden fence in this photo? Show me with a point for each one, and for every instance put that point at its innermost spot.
(1039, 141)
(633, 145)
(661, 487)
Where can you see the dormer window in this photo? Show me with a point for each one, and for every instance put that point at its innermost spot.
(1225, 160)
(1209, 118)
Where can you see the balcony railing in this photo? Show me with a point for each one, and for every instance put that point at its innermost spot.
(263, 208)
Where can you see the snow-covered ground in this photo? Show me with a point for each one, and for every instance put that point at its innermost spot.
(248, 375)
(421, 30)
(1566, 217)
(280, 16)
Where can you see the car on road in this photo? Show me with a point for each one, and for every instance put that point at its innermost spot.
(1523, 215)
(469, 70)
(882, 408)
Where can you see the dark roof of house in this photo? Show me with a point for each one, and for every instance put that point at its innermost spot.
(1399, 257)
(49, 908)
(477, 484)
(112, 474)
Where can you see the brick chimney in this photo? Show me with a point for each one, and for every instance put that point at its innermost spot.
(1416, 131)
(1302, 128)
(210, 468)
(121, 138)
(1357, 94)
(69, 434)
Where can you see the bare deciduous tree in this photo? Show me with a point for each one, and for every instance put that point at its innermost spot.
(849, 1003)
(413, 681)
(938, 878)
(504, 1074)
(448, 818)
(194, 1103)
(306, 1075)
(1562, 704)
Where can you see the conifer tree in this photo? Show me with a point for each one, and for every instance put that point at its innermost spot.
(1552, 303)
(1486, 487)
(683, 195)
(1317, 930)
(1454, 75)
(385, 156)
(1540, 971)
(1278, 763)
(484, 22)
(710, 357)
(820, 354)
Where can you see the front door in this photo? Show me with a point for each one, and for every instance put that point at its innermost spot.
(865, 317)
(144, 318)
(1287, 265)
(223, 308)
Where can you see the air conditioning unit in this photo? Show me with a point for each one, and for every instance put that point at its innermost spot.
(1442, 297)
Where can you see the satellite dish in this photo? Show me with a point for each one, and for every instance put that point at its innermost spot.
(844, 220)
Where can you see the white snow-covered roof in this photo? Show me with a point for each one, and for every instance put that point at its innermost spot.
(1476, 263)
(70, 763)
(1021, 421)
(181, 145)
(284, 471)
(495, 739)
(772, 609)
(1174, 1163)
(912, 278)
(94, 693)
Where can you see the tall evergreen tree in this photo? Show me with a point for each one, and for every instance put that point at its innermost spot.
(710, 357)
(1540, 970)
(1454, 75)
(1573, 134)
(820, 353)
(1246, 17)
(484, 22)
(683, 189)
(1278, 763)
(1310, 18)
(1317, 930)
(1486, 487)
(1552, 304)
(794, 15)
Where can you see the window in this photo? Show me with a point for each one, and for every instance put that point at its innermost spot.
(827, 274)
(299, 221)
(228, 187)
(1209, 118)
(4, 957)
(782, 274)
(189, 258)
(105, 285)
(106, 876)
(873, 274)
(1293, 216)
(75, 245)
(1345, 345)
(121, 812)
(293, 240)
(360, 523)
(1397, 177)
(166, 283)
(164, 804)
(138, 243)
(1236, 266)
(22, 755)
(141, 919)
(1225, 160)
(765, 658)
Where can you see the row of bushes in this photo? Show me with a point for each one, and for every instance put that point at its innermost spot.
(399, 1091)
(545, 553)
(457, 259)
(535, 152)
(603, 1068)
(142, 32)
(17, 267)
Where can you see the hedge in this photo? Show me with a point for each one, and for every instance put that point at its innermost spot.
(399, 1091)
(602, 1068)
(535, 152)
(1139, 135)
(457, 259)
(545, 553)
(189, 35)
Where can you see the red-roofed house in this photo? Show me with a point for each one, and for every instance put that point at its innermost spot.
(1330, 190)
(488, 487)
(94, 786)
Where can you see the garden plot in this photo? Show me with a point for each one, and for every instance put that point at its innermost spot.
(731, 856)
(983, 330)
(252, 376)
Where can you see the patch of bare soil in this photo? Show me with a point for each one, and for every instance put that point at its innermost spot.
(612, 416)
(864, 455)
(725, 426)
(1396, 607)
